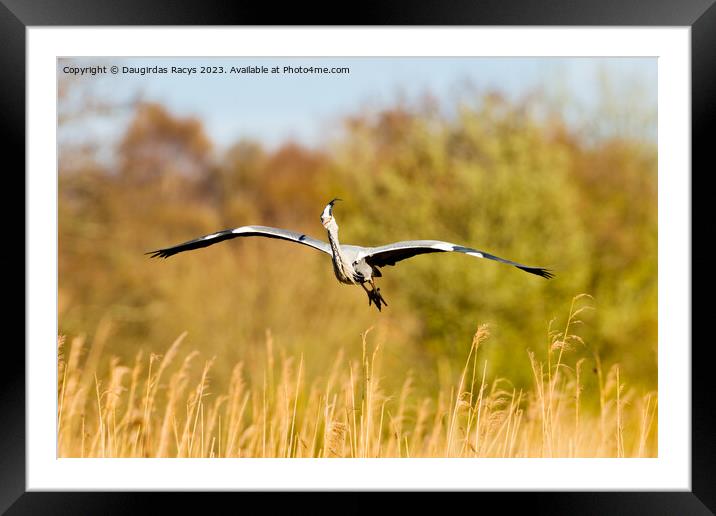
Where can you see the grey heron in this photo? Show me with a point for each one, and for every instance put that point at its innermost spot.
(352, 264)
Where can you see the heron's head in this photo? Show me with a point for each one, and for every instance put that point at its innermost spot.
(327, 215)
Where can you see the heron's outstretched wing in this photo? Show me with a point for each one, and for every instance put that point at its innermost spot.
(243, 231)
(392, 253)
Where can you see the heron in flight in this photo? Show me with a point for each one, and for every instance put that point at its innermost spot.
(352, 264)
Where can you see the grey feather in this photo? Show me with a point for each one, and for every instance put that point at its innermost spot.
(244, 231)
(391, 254)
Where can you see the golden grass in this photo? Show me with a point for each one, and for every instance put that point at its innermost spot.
(163, 406)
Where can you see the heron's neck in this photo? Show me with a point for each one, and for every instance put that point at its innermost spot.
(340, 264)
(332, 229)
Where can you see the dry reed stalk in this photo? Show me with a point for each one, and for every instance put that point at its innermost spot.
(274, 408)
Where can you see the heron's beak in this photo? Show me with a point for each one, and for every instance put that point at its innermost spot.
(327, 214)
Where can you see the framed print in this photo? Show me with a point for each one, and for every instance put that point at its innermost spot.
(191, 327)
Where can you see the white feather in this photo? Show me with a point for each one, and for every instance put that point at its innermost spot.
(443, 247)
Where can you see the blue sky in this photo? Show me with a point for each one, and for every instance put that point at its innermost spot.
(306, 107)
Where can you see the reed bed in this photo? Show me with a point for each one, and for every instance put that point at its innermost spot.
(164, 406)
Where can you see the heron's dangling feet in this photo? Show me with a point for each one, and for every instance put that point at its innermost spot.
(374, 296)
(377, 298)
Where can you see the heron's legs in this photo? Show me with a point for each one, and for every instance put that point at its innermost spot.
(377, 294)
(374, 295)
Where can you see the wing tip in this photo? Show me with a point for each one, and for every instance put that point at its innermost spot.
(539, 271)
(547, 274)
(161, 253)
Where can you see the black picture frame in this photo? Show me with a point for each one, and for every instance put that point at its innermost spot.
(17, 15)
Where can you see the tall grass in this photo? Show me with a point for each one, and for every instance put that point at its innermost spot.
(165, 406)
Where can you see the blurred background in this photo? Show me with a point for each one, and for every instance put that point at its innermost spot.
(545, 161)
